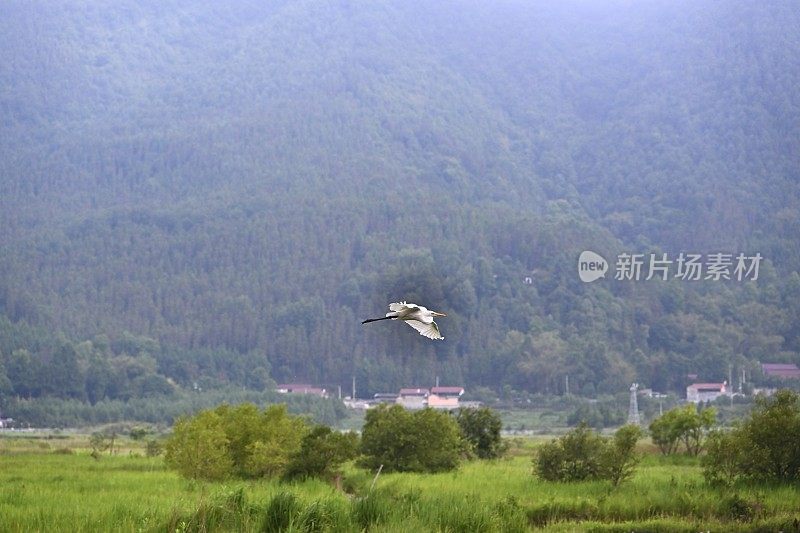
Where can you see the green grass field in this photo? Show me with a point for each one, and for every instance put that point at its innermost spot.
(44, 487)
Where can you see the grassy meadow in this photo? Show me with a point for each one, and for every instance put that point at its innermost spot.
(54, 484)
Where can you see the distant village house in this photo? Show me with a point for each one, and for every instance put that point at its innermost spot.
(301, 388)
(445, 397)
(413, 398)
(385, 397)
(705, 392)
(780, 370)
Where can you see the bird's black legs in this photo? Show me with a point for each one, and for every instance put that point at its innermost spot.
(376, 319)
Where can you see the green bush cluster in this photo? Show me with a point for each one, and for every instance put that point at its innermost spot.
(480, 429)
(411, 441)
(683, 427)
(321, 450)
(765, 447)
(583, 454)
(244, 441)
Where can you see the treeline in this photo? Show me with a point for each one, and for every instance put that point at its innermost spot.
(246, 316)
(235, 321)
(163, 411)
(37, 363)
(48, 381)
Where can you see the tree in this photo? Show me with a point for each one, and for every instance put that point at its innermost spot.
(241, 441)
(99, 442)
(682, 425)
(620, 459)
(480, 428)
(663, 431)
(693, 427)
(199, 447)
(274, 436)
(6, 388)
(63, 377)
(723, 459)
(406, 441)
(99, 378)
(23, 372)
(765, 447)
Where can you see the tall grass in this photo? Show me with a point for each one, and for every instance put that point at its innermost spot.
(42, 490)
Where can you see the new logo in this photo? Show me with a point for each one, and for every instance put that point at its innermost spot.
(591, 266)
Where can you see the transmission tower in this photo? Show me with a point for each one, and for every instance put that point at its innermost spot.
(633, 406)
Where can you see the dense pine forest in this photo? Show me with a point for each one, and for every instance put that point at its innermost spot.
(215, 194)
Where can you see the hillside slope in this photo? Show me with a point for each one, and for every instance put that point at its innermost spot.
(255, 178)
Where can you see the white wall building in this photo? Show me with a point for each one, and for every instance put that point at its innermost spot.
(705, 392)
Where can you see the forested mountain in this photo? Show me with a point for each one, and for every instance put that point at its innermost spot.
(233, 185)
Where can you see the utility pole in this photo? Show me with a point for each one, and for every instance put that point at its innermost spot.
(354, 389)
(566, 385)
(730, 383)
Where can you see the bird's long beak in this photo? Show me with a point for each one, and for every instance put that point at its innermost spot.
(438, 314)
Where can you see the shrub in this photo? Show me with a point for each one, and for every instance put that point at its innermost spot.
(583, 455)
(100, 442)
(199, 448)
(735, 507)
(240, 441)
(573, 457)
(153, 448)
(765, 447)
(261, 442)
(722, 459)
(138, 433)
(682, 425)
(480, 428)
(321, 452)
(406, 441)
(619, 459)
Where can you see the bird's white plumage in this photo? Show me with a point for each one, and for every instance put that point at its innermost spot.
(426, 330)
(416, 316)
(403, 307)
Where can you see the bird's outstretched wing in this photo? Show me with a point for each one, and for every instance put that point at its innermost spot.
(426, 330)
(401, 306)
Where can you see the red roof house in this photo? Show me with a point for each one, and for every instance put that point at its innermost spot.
(445, 397)
(781, 370)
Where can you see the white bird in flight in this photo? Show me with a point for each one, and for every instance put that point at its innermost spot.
(416, 316)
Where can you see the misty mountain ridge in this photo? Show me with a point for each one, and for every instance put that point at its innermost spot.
(246, 179)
